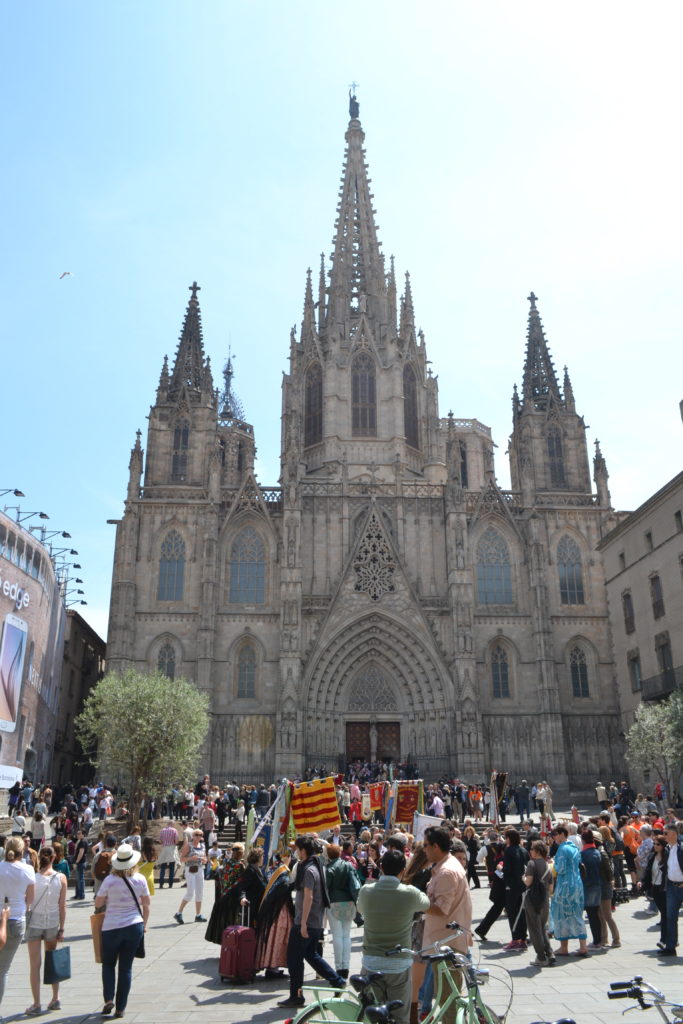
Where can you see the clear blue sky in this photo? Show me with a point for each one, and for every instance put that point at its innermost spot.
(512, 147)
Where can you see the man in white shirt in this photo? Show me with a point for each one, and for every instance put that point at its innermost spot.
(674, 887)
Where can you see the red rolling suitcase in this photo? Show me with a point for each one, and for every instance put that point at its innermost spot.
(238, 952)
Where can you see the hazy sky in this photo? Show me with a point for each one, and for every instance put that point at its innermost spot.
(512, 147)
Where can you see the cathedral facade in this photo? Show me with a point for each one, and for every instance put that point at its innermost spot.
(387, 599)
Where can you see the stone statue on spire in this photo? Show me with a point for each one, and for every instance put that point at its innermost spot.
(354, 106)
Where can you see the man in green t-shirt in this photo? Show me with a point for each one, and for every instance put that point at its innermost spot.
(389, 907)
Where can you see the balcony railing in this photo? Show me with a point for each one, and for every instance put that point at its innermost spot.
(662, 685)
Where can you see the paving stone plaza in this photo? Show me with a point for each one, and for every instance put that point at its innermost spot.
(178, 981)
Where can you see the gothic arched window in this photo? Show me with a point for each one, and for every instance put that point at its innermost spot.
(172, 568)
(556, 457)
(247, 568)
(494, 572)
(166, 660)
(246, 671)
(363, 397)
(181, 444)
(313, 405)
(500, 672)
(578, 668)
(571, 575)
(629, 612)
(410, 406)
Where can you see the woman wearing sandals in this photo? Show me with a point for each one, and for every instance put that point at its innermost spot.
(48, 914)
(125, 897)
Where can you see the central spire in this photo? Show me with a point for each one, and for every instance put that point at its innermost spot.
(540, 381)
(357, 279)
(190, 367)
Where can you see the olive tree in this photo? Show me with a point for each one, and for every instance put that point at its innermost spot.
(144, 732)
(655, 740)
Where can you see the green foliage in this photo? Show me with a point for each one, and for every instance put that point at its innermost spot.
(144, 732)
(655, 740)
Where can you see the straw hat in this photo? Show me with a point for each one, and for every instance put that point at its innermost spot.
(126, 857)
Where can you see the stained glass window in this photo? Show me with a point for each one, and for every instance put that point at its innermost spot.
(246, 671)
(181, 444)
(556, 457)
(500, 672)
(166, 660)
(172, 568)
(569, 568)
(410, 406)
(363, 397)
(247, 568)
(313, 416)
(494, 572)
(579, 672)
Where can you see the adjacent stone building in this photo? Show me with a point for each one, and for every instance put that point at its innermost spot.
(82, 667)
(387, 598)
(643, 559)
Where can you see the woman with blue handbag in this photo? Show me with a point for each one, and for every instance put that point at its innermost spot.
(46, 924)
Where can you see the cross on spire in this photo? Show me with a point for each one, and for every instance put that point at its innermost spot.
(194, 288)
(532, 299)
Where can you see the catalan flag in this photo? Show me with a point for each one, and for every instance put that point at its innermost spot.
(314, 806)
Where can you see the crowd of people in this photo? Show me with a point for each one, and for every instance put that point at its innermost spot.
(552, 878)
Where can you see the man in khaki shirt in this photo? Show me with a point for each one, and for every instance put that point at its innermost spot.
(449, 900)
(389, 907)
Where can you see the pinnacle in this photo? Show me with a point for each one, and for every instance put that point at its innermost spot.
(540, 380)
(189, 366)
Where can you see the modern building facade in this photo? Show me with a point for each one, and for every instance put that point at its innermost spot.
(387, 598)
(32, 618)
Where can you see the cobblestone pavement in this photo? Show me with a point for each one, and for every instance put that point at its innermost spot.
(178, 982)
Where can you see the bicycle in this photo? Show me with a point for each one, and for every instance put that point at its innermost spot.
(334, 1005)
(637, 988)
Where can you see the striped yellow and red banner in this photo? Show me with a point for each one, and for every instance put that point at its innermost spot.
(314, 806)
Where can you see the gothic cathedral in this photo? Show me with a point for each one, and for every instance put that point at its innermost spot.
(387, 598)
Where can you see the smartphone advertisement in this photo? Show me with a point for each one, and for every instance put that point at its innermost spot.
(12, 656)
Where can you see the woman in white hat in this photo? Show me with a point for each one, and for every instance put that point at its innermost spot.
(125, 897)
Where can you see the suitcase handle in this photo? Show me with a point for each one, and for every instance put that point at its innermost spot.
(245, 911)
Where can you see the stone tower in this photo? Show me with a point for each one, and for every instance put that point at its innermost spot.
(388, 599)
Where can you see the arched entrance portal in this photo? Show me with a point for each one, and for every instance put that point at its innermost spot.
(373, 730)
(376, 681)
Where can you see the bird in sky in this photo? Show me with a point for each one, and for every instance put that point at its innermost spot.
(65, 273)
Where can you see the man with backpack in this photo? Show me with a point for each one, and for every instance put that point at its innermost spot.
(310, 902)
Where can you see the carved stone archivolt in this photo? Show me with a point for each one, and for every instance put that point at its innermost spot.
(370, 691)
(414, 671)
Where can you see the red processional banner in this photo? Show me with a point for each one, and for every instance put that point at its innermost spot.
(377, 796)
(407, 799)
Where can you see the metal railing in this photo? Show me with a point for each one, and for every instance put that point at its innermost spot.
(663, 684)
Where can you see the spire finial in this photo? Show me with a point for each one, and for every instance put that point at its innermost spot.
(354, 108)
(533, 299)
(194, 288)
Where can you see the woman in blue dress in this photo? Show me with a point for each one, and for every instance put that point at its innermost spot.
(567, 902)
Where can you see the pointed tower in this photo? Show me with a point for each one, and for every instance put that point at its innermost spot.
(548, 451)
(190, 418)
(358, 392)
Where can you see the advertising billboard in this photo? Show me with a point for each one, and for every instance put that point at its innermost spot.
(12, 655)
(32, 618)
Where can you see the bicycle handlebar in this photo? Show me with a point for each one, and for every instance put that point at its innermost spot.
(616, 985)
(622, 994)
